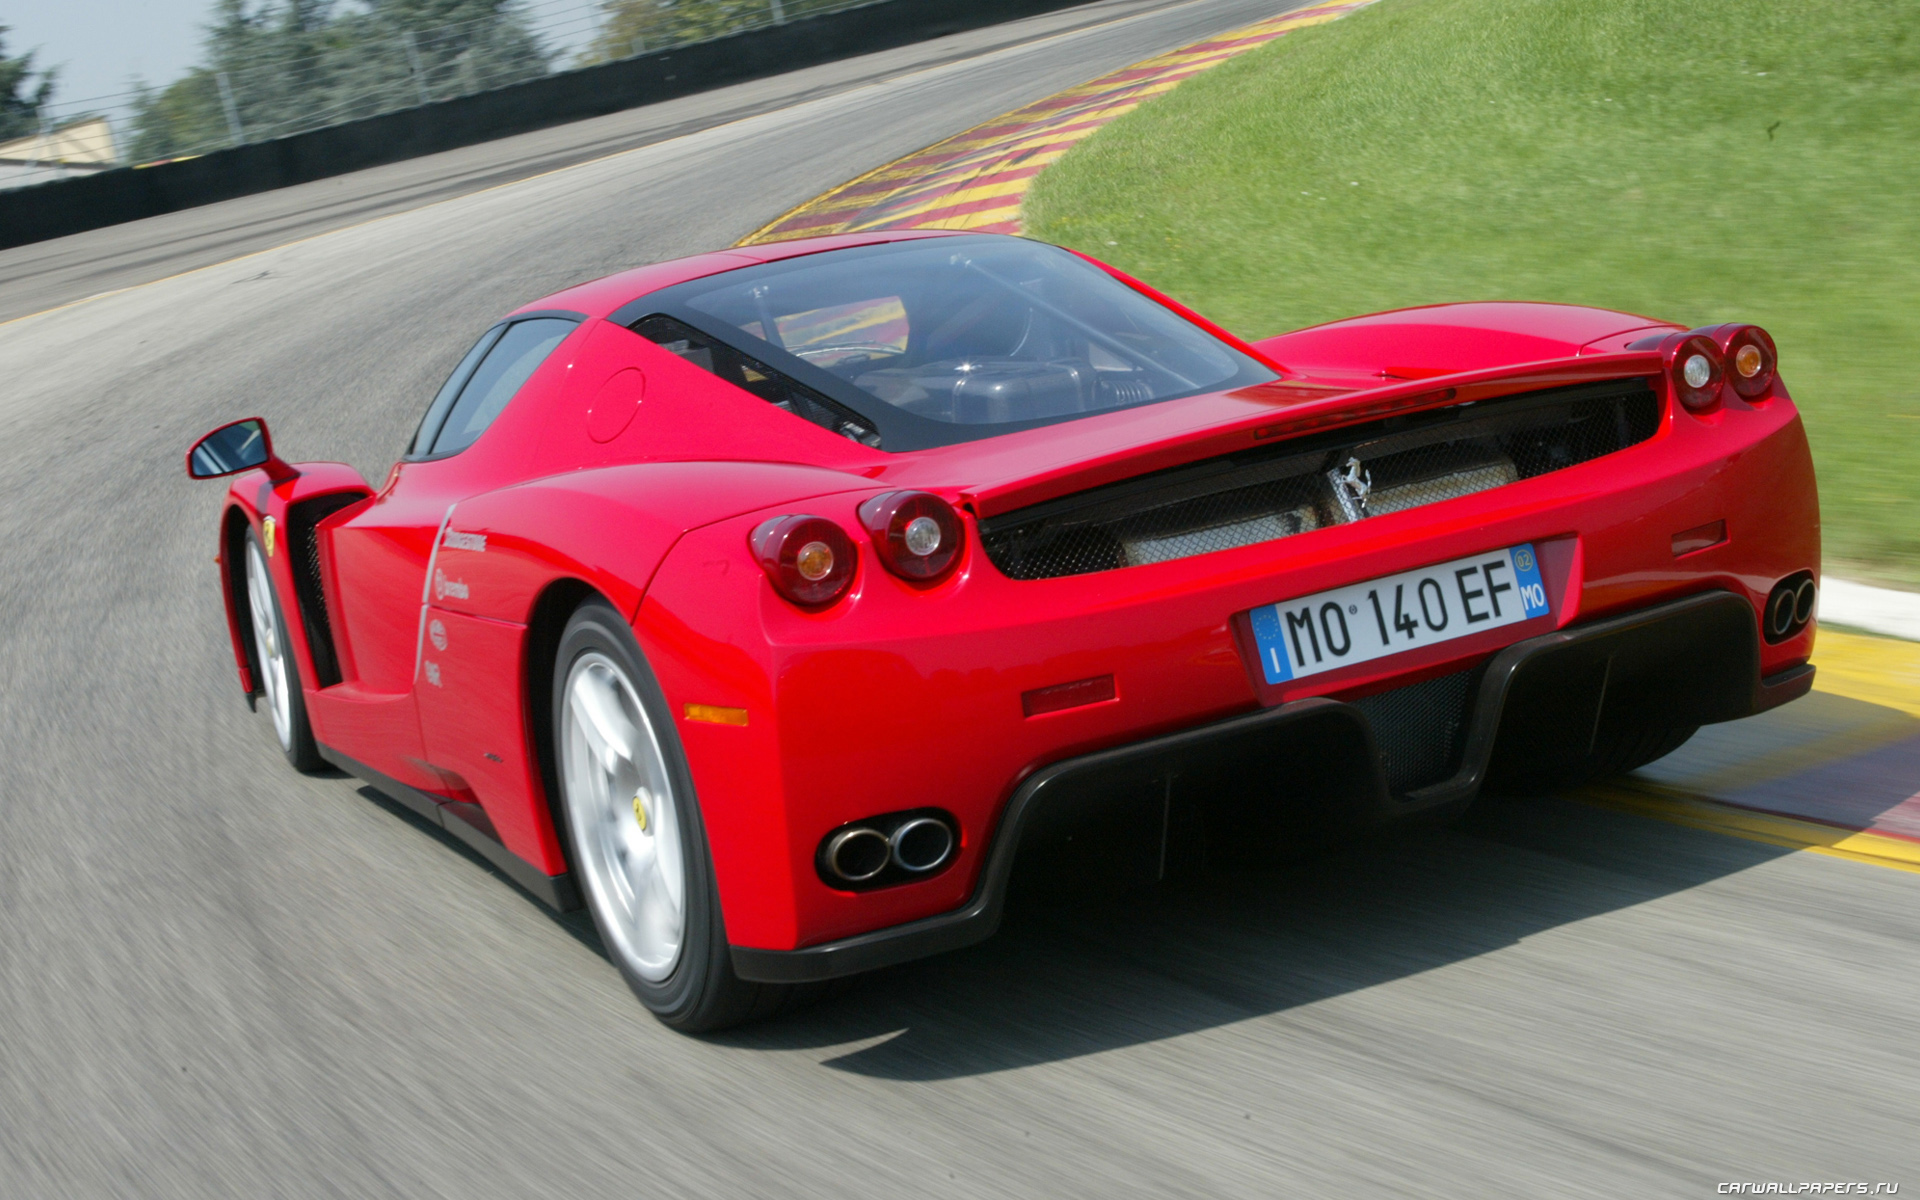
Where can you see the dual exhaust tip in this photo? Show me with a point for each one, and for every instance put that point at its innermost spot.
(888, 849)
(1789, 606)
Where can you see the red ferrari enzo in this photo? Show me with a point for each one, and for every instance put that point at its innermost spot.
(784, 605)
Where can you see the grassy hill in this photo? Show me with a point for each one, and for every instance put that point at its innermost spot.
(1697, 160)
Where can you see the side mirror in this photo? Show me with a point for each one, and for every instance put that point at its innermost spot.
(230, 449)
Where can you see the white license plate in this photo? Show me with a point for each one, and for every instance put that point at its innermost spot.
(1364, 621)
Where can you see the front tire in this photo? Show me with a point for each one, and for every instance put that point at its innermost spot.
(274, 668)
(634, 829)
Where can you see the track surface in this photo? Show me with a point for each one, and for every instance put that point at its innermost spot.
(44, 274)
(220, 978)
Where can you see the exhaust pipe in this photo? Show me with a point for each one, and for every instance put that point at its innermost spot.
(921, 844)
(1803, 602)
(888, 849)
(858, 854)
(1780, 613)
(1789, 606)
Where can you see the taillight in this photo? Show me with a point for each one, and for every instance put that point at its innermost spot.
(1694, 366)
(917, 534)
(1751, 360)
(809, 559)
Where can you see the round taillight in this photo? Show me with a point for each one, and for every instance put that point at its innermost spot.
(809, 559)
(917, 534)
(1695, 366)
(1751, 360)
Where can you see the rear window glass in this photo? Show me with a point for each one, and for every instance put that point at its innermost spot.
(946, 340)
(483, 383)
(743, 371)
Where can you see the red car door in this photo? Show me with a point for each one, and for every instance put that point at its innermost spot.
(381, 558)
(377, 562)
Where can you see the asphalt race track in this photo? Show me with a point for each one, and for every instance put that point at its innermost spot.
(220, 978)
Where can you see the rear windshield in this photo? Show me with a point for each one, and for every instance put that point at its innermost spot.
(944, 340)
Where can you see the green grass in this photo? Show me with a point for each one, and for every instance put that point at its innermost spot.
(1696, 160)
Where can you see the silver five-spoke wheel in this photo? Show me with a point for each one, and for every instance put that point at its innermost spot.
(620, 800)
(268, 646)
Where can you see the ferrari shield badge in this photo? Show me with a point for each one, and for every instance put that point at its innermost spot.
(266, 535)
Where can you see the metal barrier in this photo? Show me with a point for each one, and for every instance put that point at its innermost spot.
(378, 67)
(795, 34)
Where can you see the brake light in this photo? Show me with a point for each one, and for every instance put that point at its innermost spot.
(809, 559)
(1696, 369)
(917, 534)
(1751, 360)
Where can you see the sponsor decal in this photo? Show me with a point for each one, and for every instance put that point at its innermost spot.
(455, 540)
(433, 672)
(437, 634)
(444, 587)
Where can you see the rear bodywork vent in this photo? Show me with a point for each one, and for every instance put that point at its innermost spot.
(309, 585)
(1334, 478)
(1420, 730)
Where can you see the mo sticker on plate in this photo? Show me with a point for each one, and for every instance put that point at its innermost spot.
(1365, 621)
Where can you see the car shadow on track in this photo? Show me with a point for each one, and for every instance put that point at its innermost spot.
(1060, 983)
(577, 923)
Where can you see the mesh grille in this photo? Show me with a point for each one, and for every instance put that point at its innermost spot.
(1420, 729)
(309, 588)
(1346, 475)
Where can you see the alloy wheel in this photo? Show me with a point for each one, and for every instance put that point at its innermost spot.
(621, 802)
(271, 651)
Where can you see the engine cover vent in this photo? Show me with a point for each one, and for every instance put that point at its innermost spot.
(1334, 478)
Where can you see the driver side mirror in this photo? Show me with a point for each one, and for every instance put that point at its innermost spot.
(240, 446)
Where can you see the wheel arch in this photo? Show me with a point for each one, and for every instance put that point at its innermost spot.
(234, 526)
(547, 621)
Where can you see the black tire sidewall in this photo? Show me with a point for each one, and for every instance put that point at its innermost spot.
(694, 990)
(302, 751)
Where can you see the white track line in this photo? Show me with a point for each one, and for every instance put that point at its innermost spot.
(1874, 609)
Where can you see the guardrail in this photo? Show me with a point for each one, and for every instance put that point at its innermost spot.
(74, 205)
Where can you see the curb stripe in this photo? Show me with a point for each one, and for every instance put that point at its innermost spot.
(977, 179)
(1698, 812)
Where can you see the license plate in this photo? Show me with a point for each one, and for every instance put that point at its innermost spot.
(1364, 621)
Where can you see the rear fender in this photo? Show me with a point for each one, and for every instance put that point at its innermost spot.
(493, 621)
(253, 500)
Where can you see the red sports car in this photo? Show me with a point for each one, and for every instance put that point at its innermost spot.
(778, 603)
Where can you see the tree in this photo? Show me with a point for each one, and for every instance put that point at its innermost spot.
(294, 65)
(633, 26)
(183, 118)
(22, 101)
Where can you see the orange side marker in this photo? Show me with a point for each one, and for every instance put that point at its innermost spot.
(715, 714)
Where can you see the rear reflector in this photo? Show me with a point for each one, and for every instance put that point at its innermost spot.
(1700, 537)
(1060, 696)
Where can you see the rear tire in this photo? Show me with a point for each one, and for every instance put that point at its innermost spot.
(634, 830)
(275, 671)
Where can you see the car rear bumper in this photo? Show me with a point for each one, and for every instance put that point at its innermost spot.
(1693, 661)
